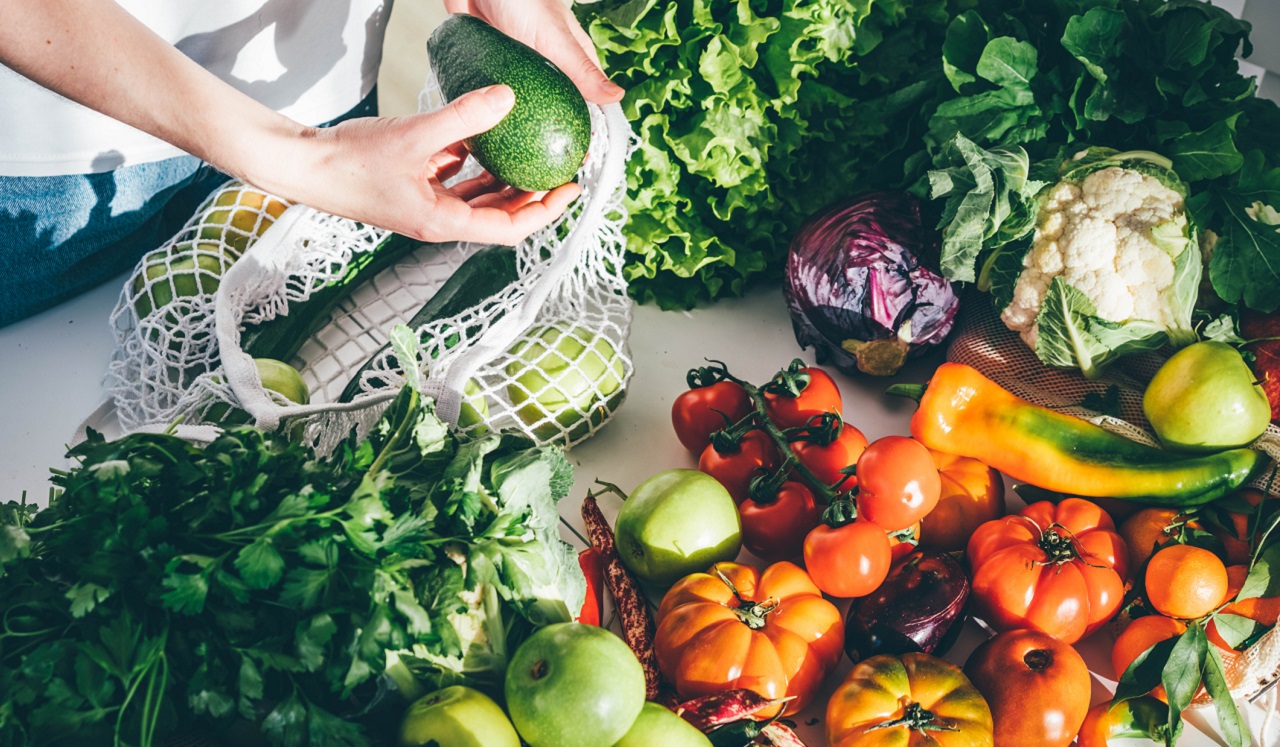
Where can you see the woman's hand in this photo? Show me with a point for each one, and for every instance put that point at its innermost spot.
(549, 27)
(390, 172)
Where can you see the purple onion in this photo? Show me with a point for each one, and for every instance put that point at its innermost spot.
(919, 607)
(861, 284)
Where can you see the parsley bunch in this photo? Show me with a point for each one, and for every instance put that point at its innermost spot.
(169, 587)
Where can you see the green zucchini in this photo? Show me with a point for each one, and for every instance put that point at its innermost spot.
(480, 276)
(281, 338)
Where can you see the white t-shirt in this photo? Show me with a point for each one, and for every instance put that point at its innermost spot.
(312, 60)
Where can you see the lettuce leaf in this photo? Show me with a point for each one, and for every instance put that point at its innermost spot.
(750, 116)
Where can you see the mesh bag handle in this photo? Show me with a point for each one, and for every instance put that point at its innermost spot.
(179, 318)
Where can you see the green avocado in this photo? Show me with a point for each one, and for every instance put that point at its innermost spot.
(542, 142)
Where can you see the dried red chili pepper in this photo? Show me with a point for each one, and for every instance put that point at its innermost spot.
(637, 623)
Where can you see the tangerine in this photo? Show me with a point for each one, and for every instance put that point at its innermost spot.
(1141, 635)
(1150, 529)
(1185, 582)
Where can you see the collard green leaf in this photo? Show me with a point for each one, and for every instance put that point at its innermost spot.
(967, 36)
(1245, 265)
(1094, 39)
(987, 193)
(1208, 154)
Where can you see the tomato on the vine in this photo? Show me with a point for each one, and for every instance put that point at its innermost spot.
(775, 530)
(848, 561)
(898, 482)
(701, 411)
(827, 459)
(753, 455)
(818, 393)
(904, 541)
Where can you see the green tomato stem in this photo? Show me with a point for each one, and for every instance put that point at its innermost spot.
(821, 492)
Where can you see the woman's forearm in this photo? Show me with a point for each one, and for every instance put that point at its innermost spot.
(97, 54)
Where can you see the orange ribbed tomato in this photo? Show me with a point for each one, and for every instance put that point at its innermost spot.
(915, 700)
(1057, 568)
(972, 494)
(738, 627)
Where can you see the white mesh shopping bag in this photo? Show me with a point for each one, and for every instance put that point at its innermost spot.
(546, 354)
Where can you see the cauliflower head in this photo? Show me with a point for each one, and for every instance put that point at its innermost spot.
(1112, 267)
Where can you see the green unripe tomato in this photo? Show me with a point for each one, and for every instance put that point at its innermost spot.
(677, 522)
(457, 716)
(573, 377)
(1206, 398)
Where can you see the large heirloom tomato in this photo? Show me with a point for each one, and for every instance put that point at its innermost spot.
(1059, 569)
(736, 627)
(915, 700)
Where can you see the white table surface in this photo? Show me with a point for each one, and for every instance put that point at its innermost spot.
(51, 367)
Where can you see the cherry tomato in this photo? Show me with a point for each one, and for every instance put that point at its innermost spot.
(819, 395)
(848, 561)
(696, 414)
(898, 482)
(775, 530)
(826, 460)
(736, 469)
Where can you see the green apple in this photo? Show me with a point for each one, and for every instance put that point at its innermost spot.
(277, 376)
(1205, 398)
(457, 716)
(573, 685)
(658, 725)
(564, 380)
(182, 272)
(677, 522)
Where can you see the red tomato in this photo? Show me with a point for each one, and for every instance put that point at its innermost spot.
(848, 561)
(735, 470)
(826, 460)
(819, 395)
(776, 530)
(898, 482)
(696, 414)
(904, 541)
(1037, 686)
(1059, 569)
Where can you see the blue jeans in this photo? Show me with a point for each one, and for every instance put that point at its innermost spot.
(62, 235)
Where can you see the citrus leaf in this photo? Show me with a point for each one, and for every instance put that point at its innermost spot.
(1230, 722)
